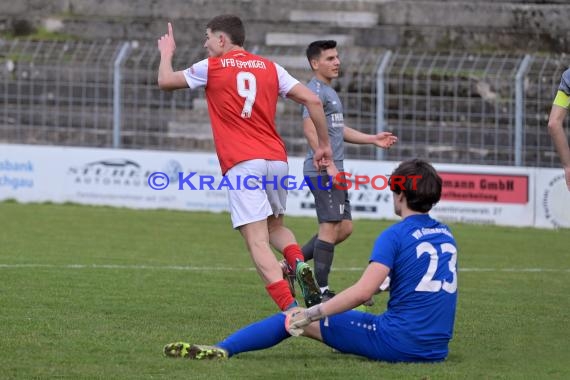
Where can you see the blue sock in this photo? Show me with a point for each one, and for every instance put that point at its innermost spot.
(259, 335)
(293, 304)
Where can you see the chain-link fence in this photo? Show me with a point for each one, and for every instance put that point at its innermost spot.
(452, 107)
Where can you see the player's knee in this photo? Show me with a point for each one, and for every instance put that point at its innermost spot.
(328, 231)
(257, 244)
(344, 231)
(274, 224)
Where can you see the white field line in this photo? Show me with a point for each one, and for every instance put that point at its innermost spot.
(239, 269)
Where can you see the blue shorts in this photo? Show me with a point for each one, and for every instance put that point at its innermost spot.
(358, 333)
(355, 332)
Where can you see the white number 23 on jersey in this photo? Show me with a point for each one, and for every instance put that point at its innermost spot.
(428, 284)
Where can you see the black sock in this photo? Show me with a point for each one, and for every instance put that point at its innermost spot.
(309, 248)
(323, 255)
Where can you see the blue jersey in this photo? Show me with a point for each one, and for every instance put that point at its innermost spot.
(422, 256)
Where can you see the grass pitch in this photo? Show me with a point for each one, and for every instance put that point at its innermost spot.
(95, 292)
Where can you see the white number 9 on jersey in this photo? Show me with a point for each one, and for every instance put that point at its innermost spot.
(246, 88)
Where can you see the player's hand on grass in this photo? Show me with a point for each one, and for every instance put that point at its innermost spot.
(166, 44)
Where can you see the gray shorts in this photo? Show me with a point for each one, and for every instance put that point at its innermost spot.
(332, 204)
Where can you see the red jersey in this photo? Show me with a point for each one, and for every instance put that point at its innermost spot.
(241, 91)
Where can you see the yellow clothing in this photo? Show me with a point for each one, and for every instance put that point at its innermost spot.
(562, 99)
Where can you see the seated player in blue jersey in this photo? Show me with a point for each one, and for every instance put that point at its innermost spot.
(420, 255)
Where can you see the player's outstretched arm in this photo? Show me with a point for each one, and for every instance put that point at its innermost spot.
(372, 278)
(382, 140)
(168, 79)
(559, 139)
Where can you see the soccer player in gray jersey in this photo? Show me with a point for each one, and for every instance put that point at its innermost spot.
(332, 205)
(556, 124)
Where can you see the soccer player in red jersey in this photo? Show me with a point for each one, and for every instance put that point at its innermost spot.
(241, 91)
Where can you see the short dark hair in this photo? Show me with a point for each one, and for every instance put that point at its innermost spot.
(315, 48)
(420, 183)
(231, 25)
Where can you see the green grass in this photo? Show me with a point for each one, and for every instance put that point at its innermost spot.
(95, 292)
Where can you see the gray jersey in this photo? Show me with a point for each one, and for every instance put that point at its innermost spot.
(335, 121)
(565, 82)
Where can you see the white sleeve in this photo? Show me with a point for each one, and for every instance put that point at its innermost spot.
(286, 81)
(197, 74)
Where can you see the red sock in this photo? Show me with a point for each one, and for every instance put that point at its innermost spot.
(292, 253)
(281, 294)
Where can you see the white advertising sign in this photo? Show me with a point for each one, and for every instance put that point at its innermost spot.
(142, 179)
(112, 177)
(552, 199)
(192, 181)
(501, 195)
(471, 194)
(366, 182)
(30, 173)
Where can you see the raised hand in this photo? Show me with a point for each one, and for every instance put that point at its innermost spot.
(166, 44)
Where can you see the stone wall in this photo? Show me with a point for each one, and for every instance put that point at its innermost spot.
(516, 25)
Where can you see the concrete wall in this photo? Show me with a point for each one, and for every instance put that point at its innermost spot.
(444, 24)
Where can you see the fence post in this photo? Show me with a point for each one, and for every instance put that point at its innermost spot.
(519, 108)
(380, 101)
(117, 76)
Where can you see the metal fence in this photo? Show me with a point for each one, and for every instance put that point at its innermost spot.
(453, 107)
